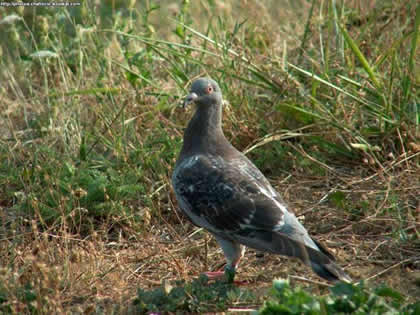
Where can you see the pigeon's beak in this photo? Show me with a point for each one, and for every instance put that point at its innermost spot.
(190, 98)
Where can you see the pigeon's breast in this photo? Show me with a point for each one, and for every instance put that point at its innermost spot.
(200, 190)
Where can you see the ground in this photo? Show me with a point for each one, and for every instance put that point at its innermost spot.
(98, 272)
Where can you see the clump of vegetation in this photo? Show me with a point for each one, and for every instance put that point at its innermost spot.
(198, 296)
(345, 298)
(201, 296)
(321, 95)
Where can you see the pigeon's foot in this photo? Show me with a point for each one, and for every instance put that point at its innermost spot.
(221, 276)
(227, 275)
(215, 275)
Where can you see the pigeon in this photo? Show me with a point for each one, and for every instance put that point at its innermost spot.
(222, 191)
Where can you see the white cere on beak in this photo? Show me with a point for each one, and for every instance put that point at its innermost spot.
(190, 98)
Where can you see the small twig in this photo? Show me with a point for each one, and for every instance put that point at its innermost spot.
(158, 189)
(392, 267)
(197, 230)
(285, 179)
(311, 209)
(241, 309)
(324, 284)
(181, 271)
(402, 146)
(376, 247)
(271, 138)
(382, 205)
(393, 164)
(301, 151)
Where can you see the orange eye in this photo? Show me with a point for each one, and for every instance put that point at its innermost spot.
(209, 89)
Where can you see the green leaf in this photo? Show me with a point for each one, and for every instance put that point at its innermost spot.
(338, 198)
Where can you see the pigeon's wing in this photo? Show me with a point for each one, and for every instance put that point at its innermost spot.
(232, 199)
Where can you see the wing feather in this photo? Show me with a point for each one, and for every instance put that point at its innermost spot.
(233, 197)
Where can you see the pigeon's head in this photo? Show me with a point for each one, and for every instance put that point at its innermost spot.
(204, 92)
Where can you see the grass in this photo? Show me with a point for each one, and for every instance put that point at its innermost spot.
(322, 97)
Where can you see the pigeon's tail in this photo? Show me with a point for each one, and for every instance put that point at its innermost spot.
(328, 270)
(320, 260)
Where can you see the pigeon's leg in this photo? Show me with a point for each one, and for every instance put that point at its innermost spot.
(233, 253)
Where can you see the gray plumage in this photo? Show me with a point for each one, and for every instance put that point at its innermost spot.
(219, 189)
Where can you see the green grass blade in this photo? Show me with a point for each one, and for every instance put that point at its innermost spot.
(361, 58)
(411, 67)
(414, 40)
(315, 77)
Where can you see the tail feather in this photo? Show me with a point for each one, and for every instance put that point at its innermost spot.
(321, 261)
(324, 250)
(331, 272)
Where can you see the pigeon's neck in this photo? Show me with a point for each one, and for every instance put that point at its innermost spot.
(204, 133)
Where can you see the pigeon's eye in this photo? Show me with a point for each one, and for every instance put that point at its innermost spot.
(209, 89)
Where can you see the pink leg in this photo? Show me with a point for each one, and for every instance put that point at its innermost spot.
(233, 253)
(220, 274)
(215, 275)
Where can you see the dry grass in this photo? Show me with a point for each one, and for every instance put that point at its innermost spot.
(83, 274)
